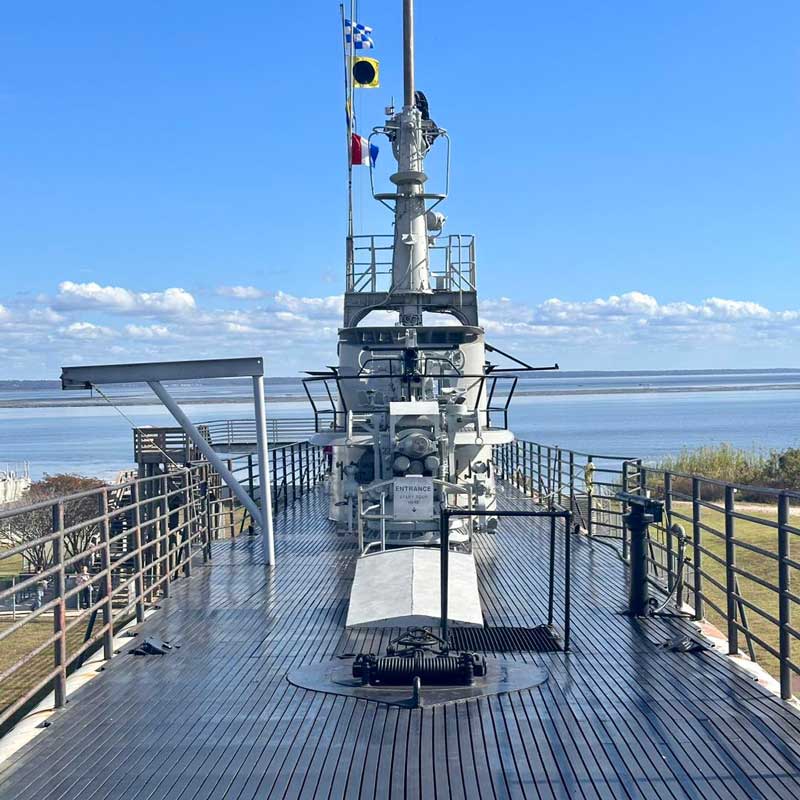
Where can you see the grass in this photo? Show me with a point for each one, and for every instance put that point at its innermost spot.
(23, 641)
(11, 567)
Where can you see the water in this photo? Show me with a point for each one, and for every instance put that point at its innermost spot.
(95, 440)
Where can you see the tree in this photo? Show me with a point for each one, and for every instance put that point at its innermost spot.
(29, 525)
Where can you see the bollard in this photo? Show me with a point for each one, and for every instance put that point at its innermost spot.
(642, 512)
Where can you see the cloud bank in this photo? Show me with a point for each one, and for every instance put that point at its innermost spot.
(86, 322)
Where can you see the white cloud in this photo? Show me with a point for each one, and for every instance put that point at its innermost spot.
(125, 301)
(148, 331)
(87, 330)
(295, 332)
(241, 292)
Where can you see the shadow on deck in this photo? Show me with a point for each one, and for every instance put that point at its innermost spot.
(619, 717)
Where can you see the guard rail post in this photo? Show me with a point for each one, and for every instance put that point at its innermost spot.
(672, 567)
(60, 610)
(138, 578)
(784, 601)
(697, 553)
(730, 572)
(105, 566)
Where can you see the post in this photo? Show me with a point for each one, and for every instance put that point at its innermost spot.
(671, 566)
(164, 535)
(571, 482)
(138, 578)
(274, 477)
(444, 569)
(589, 482)
(730, 573)
(784, 603)
(567, 580)
(188, 521)
(206, 519)
(408, 53)
(60, 610)
(697, 553)
(105, 565)
(551, 587)
(625, 546)
(539, 473)
(637, 520)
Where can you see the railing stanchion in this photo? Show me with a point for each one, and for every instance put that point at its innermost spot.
(105, 567)
(588, 474)
(697, 553)
(60, 610)
(166, 554)
(274, 477)
(784, 601)
(567, 580)
(138, 578)
(730, 572)
(670, 556)
(551, 584)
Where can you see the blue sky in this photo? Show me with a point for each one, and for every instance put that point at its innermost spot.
(630, 169)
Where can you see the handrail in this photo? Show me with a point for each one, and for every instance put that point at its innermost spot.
(136, 538)
(728, 561)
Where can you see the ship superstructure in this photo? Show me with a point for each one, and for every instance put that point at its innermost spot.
(411, 402)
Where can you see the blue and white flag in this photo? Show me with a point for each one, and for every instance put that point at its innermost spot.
(360, 34)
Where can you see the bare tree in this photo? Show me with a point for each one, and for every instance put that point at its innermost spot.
(29, 525)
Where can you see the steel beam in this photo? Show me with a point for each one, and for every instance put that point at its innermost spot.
(85, 377)
(205, 448)
(265, 496)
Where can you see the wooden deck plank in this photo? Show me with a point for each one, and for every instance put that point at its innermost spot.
(618, 717)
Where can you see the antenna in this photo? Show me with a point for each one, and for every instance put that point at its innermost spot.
(408, 53)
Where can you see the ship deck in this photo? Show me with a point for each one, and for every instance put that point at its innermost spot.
(619, 717)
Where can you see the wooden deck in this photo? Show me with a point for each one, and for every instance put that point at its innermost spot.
(618, 718)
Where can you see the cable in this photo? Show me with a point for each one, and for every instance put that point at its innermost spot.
(135, 426)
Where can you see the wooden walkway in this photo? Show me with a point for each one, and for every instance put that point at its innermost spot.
(618, 718)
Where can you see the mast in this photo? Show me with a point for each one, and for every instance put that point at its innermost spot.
(410, 268)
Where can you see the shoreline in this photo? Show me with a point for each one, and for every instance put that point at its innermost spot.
(243, 399)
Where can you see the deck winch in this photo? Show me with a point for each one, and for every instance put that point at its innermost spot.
(416, 658)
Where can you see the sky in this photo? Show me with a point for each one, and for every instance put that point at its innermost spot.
(173, 177)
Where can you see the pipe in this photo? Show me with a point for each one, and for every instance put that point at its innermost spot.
(265, 497)
(408, 53)
(205, 448)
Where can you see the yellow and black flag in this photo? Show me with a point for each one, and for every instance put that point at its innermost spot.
(366, 73)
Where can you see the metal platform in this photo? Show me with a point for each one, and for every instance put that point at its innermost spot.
(619, 717)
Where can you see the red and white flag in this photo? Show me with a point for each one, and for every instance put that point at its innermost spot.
(362, 153)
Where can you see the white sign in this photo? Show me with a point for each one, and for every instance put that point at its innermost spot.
(413, 498)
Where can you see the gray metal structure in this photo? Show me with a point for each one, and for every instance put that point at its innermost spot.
(85, 377)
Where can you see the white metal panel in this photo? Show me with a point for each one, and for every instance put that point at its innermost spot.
(398, 588)
(421, 407)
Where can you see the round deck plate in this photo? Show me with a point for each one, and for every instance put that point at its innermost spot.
(336, 677)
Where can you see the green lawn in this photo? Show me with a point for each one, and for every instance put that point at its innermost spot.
(10, 567)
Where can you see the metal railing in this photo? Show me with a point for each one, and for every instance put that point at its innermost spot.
(156, 445)
(135, 538)
(452, 263)
(723, 552)
(583, 483)
(242, 432)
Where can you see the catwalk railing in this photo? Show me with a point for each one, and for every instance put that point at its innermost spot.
(158, 444)
(723, 552)
(78, 568)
